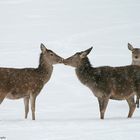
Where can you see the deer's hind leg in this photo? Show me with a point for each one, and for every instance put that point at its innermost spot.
(137, 101)
(26, 104)
(132, 106)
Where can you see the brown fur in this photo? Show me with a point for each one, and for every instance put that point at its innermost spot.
(27, 83)
(117, 83)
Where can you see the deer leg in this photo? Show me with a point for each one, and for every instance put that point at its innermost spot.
(26, 104)
(102, 105)
(132, 106)
(137, 102)
(2, 96)
(33, 99)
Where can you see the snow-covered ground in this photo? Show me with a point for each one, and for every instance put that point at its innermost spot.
(66, 110)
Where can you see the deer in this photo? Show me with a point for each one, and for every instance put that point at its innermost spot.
(135, 54)
(135, 61)
(27, 83)
(106, 82)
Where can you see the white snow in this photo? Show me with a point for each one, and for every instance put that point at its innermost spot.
(67, 110)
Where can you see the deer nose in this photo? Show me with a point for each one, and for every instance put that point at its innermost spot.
(136, 57)
(64, 61)
(61, 60)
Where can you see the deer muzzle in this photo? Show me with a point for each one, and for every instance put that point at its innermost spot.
(65, 61)
(61, 60)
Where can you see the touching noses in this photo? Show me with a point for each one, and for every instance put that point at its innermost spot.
(61, 60)
(64, 61)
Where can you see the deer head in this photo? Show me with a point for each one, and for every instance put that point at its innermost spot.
(50, 56)
(135, 54)
(76, 59)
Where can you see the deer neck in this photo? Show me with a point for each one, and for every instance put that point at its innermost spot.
(84, 70)
(45, 69)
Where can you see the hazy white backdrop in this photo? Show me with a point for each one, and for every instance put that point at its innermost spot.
(66, 110)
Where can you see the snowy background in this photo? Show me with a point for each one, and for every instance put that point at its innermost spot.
(66, 110)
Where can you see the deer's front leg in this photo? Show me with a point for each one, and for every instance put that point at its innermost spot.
(102, 106)
(26, 104)
(33, 99)
(132, 106)
(2, 96)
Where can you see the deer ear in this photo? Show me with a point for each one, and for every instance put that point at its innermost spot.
(43, 48)
(85, 53)
(130, 47)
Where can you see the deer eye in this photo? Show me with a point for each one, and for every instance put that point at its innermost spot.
(136, 57)
(77, 54)
(51, 54)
